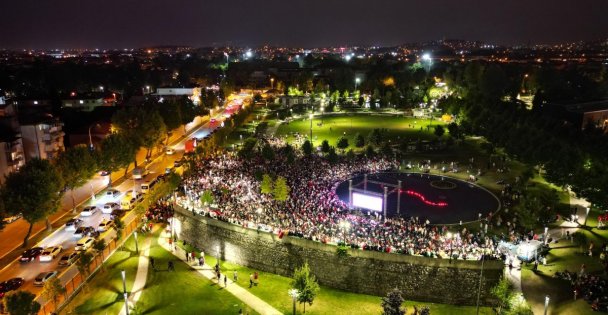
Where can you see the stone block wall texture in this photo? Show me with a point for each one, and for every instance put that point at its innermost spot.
(374, 273)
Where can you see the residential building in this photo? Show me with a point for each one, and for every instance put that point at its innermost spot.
(581, 115)
(194, 94)
(11, 153)
(88, 101)
(42, 137)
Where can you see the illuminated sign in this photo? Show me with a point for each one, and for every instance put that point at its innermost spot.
(367, 202)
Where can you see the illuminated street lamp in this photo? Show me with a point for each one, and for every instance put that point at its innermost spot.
(586, 216)
(546, 304)
(136, 245)
(357, 81)
(546, 234)
(310, 116)
(427, 58)
(124, 291)
(271, 83)
(294, 297)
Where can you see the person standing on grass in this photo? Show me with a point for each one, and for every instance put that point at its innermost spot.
(225, 281)
(250, 280)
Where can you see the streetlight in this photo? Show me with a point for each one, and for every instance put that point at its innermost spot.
(546, 234)
(271, 83)
(310, 116)
(294, 297)
(427, 58)
(450, 238)
(357, 81)
(136, 245)
(586, 216)
(124, 291)
(546, 304)
(90, 138)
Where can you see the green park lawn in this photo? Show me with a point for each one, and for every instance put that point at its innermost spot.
(103, 294)
(332, 127)
(273, 289)
(179, 292)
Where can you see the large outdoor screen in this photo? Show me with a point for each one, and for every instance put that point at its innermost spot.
(367, 202)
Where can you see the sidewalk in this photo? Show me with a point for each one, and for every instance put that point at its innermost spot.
(141, 277)
(242, 294)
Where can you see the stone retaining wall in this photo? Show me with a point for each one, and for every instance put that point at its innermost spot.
(420, 279)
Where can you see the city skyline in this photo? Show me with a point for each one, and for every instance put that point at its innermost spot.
(68, 24)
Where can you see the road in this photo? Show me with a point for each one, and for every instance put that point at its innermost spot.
(29, 270)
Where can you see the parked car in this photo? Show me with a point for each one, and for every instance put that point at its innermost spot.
(86, 231)
(109, 207)
(73, 224)
(50, 253)
(105, 225)
(44, 277)
(117, 214)
(31, 254)
(112, 193)
(104, 173)
(10, 285)
(88, 211)
(170, 151)
(68, 259)
(13, 218)
(84, 244)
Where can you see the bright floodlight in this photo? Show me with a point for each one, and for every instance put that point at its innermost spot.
(347, 57)
(426, 57)
(357, 80)
(249, 54)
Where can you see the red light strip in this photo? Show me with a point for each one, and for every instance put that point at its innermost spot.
(423, 199)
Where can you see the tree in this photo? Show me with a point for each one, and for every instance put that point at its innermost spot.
(152, 130)
(116, 151)
(359, 141)
(21, 303)
(375, 137)
(370, 152)
(307, 147)
(98, 246)
(439, 131)
(503, 293)
(207, 197)
(76, 165)
(391, 304)
(342, 143)
(268, 152)
(34, 192)
(170, 112)
(53, 289)
(325, 146)
(454, 130)
(332, 157)
(281, 189)
(119, 226)
(306, 284)
(580, 239)
(83, 263)
(246, 150)
(267, 184)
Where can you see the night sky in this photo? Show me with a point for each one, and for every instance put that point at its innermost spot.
(302, 23)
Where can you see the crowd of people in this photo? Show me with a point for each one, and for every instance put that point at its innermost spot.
(591, 288)
(313, 210)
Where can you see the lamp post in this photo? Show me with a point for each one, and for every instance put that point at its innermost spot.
(546, 304)
(124, 291)
(91, 138)
(586, 216)
(310, 116)
(450, 238)
(136, 245)
(427, 58)
(546, 234)
(294, 297)
(271, 83)
(357, 81)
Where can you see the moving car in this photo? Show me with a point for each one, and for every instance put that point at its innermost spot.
(68, 259)
(170, 151)
(88, 211)
(50, 253)
(31, 254)
(112, 193)
(84, 244)
(73, 224)
(109, 207)
(44, 277)
(10, 285)
(105, 225)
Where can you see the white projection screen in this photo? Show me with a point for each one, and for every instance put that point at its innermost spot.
(367, 202)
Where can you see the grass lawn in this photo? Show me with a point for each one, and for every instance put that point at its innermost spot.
(332, 127)
(103, 295)
(184, 291)
(273, 289)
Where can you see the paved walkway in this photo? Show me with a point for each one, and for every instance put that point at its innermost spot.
(242, 294)
(514, 276)
(141, 277)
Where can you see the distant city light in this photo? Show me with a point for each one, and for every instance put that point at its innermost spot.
(426, 57)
